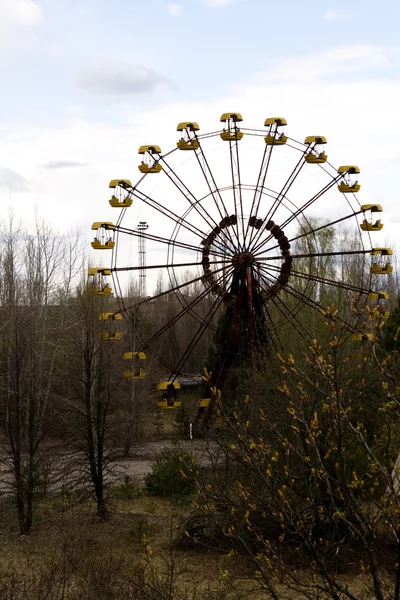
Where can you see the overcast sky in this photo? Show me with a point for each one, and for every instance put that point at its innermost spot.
(85, 82)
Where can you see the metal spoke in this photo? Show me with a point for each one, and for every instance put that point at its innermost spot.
(189, 264)
(168, 242)
(176, 318)
(189, 196)
(285, 311)
(320, 228)
(316, 254)
(209, 177)
(180, 221)
(286, 187)
(169, 291)
(258, 192)
(305, 206)
(318, 279)
(197, 336)
(316, 306)
(235, 174)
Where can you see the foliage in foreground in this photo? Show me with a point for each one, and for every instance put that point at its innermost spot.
(173, 473)
(313, 494)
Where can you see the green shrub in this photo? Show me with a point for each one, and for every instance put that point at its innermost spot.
(172, 473)
(128, 490)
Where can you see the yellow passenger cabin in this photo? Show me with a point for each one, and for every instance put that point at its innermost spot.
(275, 136)
(381, 251)
(316, 155)
(93, 271)
(100, 245)
(121, 197)
(350, 184)
(109, 316)
(169, 394)
(139, 374)
(278, 121)
(381, 269)
(115, 335)
(131, 355)
(278, 140)
(371, 225)
(362, 337)
(231, 132)
(102, 240)
(188, 144)
(378, 296)
(187, 141)
(116, 202)
(102, 291)
(150, 163)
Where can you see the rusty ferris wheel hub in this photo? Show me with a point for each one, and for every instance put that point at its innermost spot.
(240, 259)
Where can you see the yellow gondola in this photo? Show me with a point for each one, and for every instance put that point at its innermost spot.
(149, 163)
(350, 184)
(139, 374)
(382, 270)
(101, 242)
(109, 316)
(100, 245)
(115, 335)
(275, 137)
(362, 337)
(381, 251)
(378, 296)
(371, 207)
(99, 271)
(231, 132)
(98, 285)
(279, 140)
(278, 121)
(122, 201)
(369, 226)
(169, 394)
(186, 142)
(130, 355)
(314, 157)
(204, 402)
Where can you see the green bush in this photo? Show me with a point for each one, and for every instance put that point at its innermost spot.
(128, 490)
(173, 472)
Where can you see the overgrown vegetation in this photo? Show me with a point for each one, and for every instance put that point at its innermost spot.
(173, 473)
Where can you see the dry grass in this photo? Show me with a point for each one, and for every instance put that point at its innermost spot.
(72, 538)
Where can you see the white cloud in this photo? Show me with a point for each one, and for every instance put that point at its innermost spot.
(313, 92)
(119, 79)
(217, 3)
(63, 164)
(19, 21)
(332, 15)
(19, 13)
(11, 180)
(174, 9)
(330, 63)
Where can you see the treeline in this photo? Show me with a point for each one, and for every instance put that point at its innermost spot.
(65, 405)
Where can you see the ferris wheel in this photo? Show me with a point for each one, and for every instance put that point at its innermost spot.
(263, 223)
